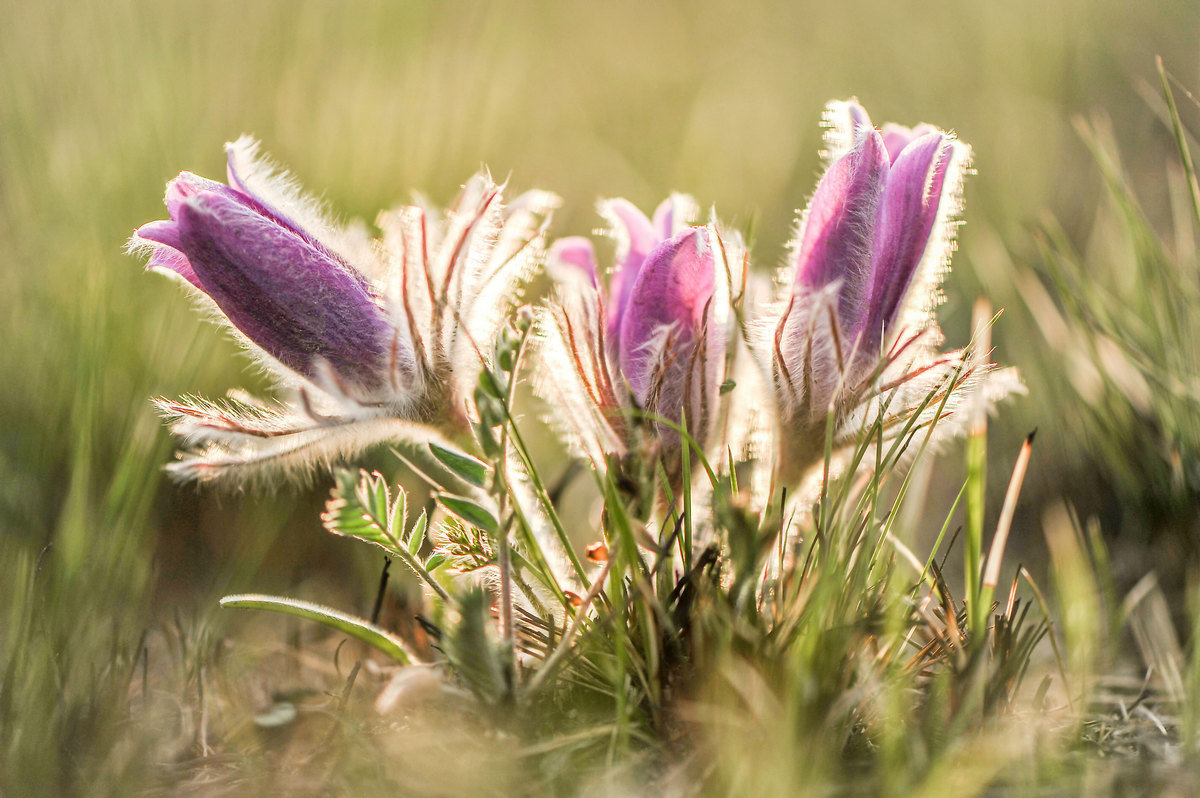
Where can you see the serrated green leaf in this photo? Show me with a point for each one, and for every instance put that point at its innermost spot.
(377, 497)
(470, 512)
(462, 465)
(398, 517)
(360, 506)
(358, 628)
(417, 537)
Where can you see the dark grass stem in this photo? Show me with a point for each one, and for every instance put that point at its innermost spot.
(1185, 153)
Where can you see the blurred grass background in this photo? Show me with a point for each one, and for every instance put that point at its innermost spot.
(102, 102)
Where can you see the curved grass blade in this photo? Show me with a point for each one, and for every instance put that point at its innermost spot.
(372, 635)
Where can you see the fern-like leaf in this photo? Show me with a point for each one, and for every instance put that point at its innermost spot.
(363, 507)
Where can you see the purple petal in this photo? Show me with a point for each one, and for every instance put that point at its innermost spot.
(162, 231)
(664, 219)
(664, 318)
(166, 255)
(858, 115)
(673, 215)
(170, 260)
(897, 137)
(906, 217)
(635, 238)
(231, 171)
(286, 296)
(577, 254)
(189, 185)
(846, 122)
(835, 242)
(239, 189)
(252, 199)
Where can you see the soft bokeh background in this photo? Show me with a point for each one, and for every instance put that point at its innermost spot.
(102, 102)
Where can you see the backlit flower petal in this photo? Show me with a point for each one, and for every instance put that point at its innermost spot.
(665, 319)
(163, 231)
(897, 137)
(835, 241)
(164, 254)
(189, 185)
(635, 237)
(905, 223)
(844, 122)
(577, 255)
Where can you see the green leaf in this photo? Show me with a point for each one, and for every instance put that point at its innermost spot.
(435, 561)
(358, 628)
(470, 512)
(462, 465)
(397, 518)
(364, 509)
(490, 384)
(417, 537)
(472, 649)
(376, 497)
(360, 506)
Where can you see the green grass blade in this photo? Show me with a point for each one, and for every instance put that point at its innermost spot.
(1185, 154)
(357, 628)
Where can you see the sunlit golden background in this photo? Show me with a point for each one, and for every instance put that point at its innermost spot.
(367, 102)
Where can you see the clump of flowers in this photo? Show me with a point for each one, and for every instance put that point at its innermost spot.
(652, 374)
(376, 340)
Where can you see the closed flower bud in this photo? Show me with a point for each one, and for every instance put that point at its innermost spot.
(646, 354)
(871, 249)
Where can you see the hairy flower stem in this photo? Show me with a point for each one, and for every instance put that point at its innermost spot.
(539, 488)
(507, 624)
(428, 578)
(507, 631)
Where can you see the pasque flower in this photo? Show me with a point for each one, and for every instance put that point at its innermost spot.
(856, 319)
(375, 339)
(654, 341)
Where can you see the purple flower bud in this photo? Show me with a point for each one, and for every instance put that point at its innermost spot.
(286, 293)
(867, 258)
(868, 228)
(659, 347)
(382, 350)
(665, 348)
